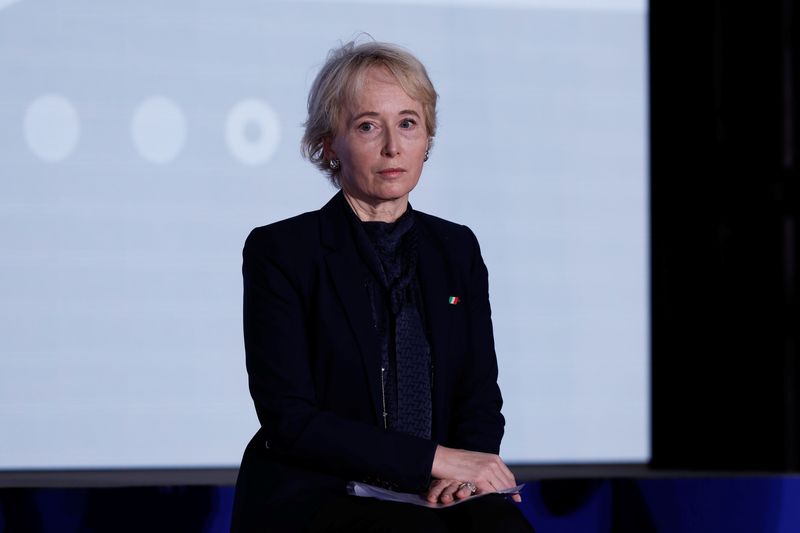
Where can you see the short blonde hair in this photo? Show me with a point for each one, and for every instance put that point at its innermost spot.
(338, 84)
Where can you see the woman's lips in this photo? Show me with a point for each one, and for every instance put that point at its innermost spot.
(391, 172)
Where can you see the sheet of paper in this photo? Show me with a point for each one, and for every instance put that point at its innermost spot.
(356, 488)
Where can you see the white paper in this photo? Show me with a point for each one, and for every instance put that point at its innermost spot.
(365, 490)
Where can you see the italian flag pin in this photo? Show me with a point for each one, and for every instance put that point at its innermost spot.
(453, 300)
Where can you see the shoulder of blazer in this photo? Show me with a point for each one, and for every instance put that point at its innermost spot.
(283, 232)
(456, 241)
(298, 236)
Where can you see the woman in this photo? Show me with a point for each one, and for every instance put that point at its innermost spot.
(367, 329)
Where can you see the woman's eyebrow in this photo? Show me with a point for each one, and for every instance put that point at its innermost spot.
(375, 114)
(364, 114)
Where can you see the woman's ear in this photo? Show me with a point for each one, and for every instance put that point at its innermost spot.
(327, 150)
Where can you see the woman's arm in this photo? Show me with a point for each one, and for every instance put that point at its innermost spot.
(479, 424)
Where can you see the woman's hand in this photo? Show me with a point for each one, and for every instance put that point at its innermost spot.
(452, 467)
(447, 491)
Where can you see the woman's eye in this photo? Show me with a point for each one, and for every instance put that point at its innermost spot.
(407, 123)
(366, 126)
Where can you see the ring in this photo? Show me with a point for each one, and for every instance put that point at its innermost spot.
(470, 485)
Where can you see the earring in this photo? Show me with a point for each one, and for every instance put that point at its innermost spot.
(427, 153)
(334, 164)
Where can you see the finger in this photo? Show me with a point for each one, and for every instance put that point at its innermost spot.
(483, 487)
(463, 492)
(435, 490)
(494, 479)
(494, 475)
(448, 493)
(499, 483)
(505, 474)
(517, 497)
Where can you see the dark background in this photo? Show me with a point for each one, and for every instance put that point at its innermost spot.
(724, 234)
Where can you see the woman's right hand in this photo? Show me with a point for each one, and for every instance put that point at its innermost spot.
(486, 470)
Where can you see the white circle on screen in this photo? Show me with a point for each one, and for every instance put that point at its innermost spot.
(51, 127)
(158, 130)
(252, 131)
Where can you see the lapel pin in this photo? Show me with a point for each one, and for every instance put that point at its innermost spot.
(453, 300)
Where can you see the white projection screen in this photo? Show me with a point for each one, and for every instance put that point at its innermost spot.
(141, 141)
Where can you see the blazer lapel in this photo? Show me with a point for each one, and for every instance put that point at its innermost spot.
(349, 275)
(436, 286)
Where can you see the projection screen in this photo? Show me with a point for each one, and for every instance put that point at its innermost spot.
(141, 141)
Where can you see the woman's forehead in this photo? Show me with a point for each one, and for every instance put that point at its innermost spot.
(375, 78)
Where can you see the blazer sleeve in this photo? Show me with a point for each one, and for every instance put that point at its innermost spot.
(478, 424)
(278, 351)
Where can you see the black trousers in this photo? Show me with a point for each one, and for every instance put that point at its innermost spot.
(485, 514)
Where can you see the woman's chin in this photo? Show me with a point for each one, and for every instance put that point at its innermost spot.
(388, 194)
(395, 191)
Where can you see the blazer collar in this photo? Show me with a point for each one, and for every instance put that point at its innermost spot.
(334, 227)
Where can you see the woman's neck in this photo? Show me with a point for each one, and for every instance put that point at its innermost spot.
(384, 211)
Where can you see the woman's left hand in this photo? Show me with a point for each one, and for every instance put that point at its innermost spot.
(447, 491)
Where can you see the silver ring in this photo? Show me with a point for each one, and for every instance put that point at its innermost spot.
(470, 485)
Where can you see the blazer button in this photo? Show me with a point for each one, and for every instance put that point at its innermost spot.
(266, 443)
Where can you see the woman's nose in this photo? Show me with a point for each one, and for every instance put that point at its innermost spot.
(390, 148)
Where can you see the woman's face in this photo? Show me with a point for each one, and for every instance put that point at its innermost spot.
(381, 142)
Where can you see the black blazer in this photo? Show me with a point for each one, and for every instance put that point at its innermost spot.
(313, 360)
